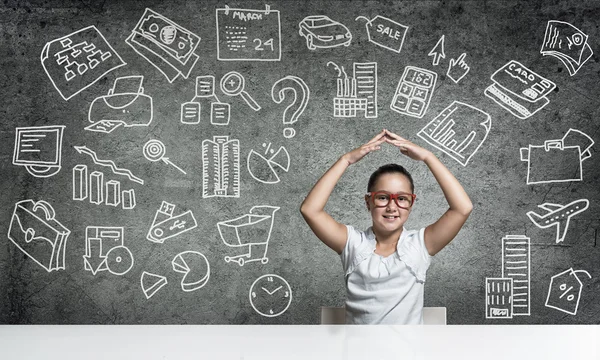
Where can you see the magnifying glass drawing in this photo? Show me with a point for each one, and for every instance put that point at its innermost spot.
(233, 83)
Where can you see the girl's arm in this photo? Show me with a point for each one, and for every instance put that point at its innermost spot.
(441, 232)
(329, 231)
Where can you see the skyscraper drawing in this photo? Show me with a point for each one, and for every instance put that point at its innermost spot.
(220, 167)
(516, 253)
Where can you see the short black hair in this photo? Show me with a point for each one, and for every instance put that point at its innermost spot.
(390, 169)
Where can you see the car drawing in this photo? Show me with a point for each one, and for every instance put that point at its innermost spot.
(322, 32)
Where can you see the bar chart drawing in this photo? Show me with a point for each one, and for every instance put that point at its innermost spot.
(516, 265)
(459, 131)
(94, 188)
(356, 93)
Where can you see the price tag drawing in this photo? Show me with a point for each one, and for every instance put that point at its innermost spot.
(564, 291)
(248, 35)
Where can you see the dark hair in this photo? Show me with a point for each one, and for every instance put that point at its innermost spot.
(390, 169)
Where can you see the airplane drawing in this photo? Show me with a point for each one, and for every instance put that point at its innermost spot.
(558, 215)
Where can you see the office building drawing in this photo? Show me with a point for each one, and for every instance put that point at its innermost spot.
(516, 265)
(220, 167)
(358, 93)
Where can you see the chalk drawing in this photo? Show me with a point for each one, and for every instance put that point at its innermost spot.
(108, 163)
(220, 167)
(563, 289)
(279, 92)
(519, 90)
(358, 93)
(76, 61)
(558, 215)
(516, 265)
(250, 232)
(191, 111)
(166, 225)
(414, 92)
(105, 250)
(270, 295)
(498, 295)
(97, 191)
(166, 45)
(558, 160)
(459, 131)
(322, 32)
(125, 105)
(568, 44)
(39, 149)
(248, 34)
(265, 169)
(386, 33)
(151, 283)
(438, 51)
(458, 69)
(234, 84)
(154, 150)
(195, 269)
(35, 231)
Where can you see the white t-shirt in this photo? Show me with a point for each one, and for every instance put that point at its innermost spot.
(385, 290)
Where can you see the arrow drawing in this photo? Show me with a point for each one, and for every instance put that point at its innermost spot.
(168, 162)
(95, 262)
(438, 51)
(108, 163)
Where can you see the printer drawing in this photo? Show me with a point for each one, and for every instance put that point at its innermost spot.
(558, 215)
(125, 105)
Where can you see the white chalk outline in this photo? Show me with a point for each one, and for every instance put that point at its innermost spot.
(350, 97)
(438, 51)
(65, 39)
(227, 149)
(514, 258)
(530, 100)
(177, 66)
(81, 188)
(568, 61)
(120, 112)
(229, 230)
(155, 150)
(257, 282)
(25, 136)
(157, 285)
(179, 265)
(310, 35)
(415, 86)
(271, 162)
(59, 243)
(442, 125)
(559, 145)
(165, 222)
(555, 216)
(294, 110)
(488, 304)
(560, 297)
(458, 63)
(239, 90)
(204, 83)
(108, 163)
(105, 254)
(267, 11)
(370, 21)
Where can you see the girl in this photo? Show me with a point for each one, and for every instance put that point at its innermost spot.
(385, 265)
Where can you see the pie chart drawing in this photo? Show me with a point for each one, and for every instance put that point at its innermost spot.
(195, 268)
(265, 169)
(151, 283)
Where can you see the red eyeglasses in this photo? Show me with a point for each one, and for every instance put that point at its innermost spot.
(383, 198)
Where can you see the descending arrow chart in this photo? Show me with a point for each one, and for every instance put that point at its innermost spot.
(108, 163)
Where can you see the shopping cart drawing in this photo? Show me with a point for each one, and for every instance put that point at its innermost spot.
(251, 231)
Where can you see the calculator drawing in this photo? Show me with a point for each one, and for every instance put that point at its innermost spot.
(414, 92)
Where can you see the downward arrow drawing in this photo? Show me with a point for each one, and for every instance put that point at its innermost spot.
(438, 51)
(95, 261)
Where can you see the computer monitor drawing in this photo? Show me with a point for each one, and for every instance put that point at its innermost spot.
(38, 149)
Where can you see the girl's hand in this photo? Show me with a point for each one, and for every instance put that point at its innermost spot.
(360, 152)
(407, 148)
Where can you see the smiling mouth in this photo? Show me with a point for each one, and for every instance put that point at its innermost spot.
(391, 216)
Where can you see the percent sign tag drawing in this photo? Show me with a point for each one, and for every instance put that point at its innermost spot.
(154, 150)
(296, 108)
(565, 297)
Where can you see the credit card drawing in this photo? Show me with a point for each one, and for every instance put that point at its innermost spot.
(568, 44)
(124, 105)
(76, 61)
(166, 45)
(414, 92)
(39, 149)
(459, 131)
(35, 231)
(166, 226)
(519, 90)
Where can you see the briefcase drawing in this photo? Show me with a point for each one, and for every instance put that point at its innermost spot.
(36, 233)
(126, 105)
(552, 162)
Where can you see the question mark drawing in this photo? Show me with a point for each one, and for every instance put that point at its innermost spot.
(297, 107)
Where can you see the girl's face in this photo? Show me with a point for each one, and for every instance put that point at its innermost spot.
(391, 217)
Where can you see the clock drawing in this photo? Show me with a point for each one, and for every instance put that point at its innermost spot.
(270, 295)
